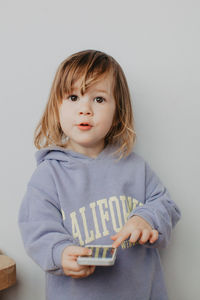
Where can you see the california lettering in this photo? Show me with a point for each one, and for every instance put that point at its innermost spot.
(113, 209)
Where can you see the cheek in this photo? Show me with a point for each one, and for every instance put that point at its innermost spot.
(108, 119)
(64, 117)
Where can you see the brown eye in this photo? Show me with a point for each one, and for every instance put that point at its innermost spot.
(73, 97)
(99, 99)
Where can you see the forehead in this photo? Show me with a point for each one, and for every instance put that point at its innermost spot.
(104, 84)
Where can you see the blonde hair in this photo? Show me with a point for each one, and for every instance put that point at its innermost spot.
(90, 66)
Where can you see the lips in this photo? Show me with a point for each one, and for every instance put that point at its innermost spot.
(84, 126)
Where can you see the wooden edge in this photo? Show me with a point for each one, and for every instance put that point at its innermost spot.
(7, 272)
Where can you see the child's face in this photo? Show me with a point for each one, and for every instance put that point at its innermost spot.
(86, 119)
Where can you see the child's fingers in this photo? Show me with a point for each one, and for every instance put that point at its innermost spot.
(154, 236)
(88, 270)
(92, 269)
(72, 265)
(138, 230)
(135, 235)
(118, 241)
(114, 237)
(71, 268)
(78, 251)
(82, 273)
(145, 235)
(120, 237)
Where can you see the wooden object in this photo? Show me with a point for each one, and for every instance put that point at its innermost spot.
(7, 272)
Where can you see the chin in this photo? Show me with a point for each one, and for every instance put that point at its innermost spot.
(90, 144)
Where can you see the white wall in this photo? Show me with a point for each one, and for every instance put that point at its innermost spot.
(157, 44)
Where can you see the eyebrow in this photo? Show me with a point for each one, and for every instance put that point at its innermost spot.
(101, 91)
(96, 90)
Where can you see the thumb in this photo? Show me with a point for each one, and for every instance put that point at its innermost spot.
(113, 237)
(79, 251)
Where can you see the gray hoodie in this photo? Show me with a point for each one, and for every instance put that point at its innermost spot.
(72, 199)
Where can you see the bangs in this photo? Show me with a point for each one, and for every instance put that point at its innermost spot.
(88, 67)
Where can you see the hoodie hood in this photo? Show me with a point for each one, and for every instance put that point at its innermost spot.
(66, 155)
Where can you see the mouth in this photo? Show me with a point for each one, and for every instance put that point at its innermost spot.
(84, 126)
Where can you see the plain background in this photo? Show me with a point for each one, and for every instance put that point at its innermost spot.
(157, 44)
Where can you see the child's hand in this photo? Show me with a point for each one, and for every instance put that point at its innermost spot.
(70, 265)
(138, 230)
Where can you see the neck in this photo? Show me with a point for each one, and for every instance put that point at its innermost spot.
(92, 152)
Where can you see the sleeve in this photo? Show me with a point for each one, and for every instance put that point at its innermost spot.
(41, 225)
(158, 210)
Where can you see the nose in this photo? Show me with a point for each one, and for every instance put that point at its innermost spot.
(85, 109)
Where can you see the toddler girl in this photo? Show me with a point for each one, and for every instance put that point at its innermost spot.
(90, 187)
